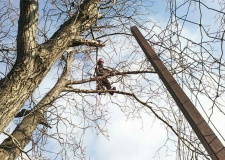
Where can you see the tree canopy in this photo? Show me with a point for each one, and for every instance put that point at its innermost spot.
(48, 55)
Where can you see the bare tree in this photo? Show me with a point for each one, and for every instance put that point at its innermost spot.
(67, 37)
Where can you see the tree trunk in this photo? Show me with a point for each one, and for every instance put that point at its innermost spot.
(34, 61)
(21, 136)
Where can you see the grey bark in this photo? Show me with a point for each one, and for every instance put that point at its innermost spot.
(34, 61)
(21, 136)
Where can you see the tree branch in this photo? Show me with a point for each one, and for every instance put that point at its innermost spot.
(34, 117)
(28, 21)
(86, 42)
(82, 20)
(70, 89)
(70, 82)
(16, 145)
(29, 70)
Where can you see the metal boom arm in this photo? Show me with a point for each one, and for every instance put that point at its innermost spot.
(208, 138)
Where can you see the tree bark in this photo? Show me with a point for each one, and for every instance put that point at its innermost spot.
(34, 61)
(21, 136)
(10, 149)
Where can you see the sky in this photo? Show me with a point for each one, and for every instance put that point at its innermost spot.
(136, 140)
(139, 138)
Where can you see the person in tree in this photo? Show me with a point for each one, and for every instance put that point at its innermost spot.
(103, 82)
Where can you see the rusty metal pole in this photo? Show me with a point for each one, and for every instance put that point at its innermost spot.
(208, 138)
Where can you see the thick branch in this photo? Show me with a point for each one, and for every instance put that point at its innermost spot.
(86, 42)
(70, 30)
(16, 143)
(28, 21)
(29, 71)
(23, 132)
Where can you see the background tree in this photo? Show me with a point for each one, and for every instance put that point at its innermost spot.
(71, 106)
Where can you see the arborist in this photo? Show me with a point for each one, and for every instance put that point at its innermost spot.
(103, 82)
